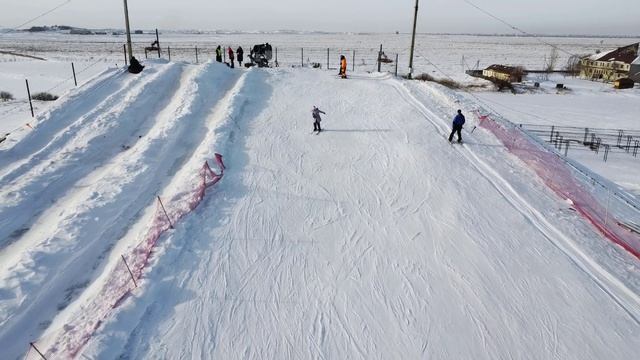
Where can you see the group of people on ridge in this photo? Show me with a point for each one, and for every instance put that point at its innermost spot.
(239, 54)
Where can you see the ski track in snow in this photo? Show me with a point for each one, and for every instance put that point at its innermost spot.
(96, 211)
(374, 239)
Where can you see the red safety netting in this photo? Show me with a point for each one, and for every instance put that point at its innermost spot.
(587, 199)
(120, 282)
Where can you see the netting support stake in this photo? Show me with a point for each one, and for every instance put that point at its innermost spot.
(38, 351)
(165, 213)
(130, 272)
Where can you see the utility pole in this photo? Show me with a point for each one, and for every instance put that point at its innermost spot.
(413, 40)
(126, 20)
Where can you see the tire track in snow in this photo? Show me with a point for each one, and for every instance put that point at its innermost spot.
(615, 289)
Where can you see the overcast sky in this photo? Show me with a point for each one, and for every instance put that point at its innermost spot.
(607, 17)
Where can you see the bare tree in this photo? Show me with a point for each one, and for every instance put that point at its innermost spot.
(574, 64)
(552, 60)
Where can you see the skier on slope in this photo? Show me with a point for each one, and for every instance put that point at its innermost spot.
(343, 67)
(231, 59)
(219, 54)
(458, 121)
(316, 118)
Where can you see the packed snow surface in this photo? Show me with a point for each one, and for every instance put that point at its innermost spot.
(374, 239)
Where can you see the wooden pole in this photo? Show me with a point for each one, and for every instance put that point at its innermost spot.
(396, 65)
(353, 63)
(413, 40)
(379, 58)
(196, 54)
(302, 58)
(38, 351)
(327, 58)
(128, 29)
(169, 52)
(29, 94)
(130, 272)
(124, 46)
(158, 41)
(73, 68)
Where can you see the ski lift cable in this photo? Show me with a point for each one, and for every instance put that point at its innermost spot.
(43, 14)
(513, 27)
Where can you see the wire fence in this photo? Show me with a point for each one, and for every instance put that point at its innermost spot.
(596, 140)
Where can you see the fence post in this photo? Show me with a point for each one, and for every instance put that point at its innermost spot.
(38, 351)
(224, 54)
(124, 46)
(29, 94)
(277, 57)
(145, 53)
(302, 58)
(635, 148)
(619, 137)
(197, 54)
(130, 272)
(396, 65)
(566, 149)
(586, 134)
(629, 138)
(73, 69)
(551, 136)
(165, 213)
(379, 55)
(169, 52)
(158, 41)
(606, 152)
(353, 63)
(327, 58)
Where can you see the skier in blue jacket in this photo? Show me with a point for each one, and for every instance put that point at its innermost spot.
(458, 121)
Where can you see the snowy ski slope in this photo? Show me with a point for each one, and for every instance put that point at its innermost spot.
(373, 239)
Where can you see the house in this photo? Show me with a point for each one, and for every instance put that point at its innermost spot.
(503, 73)
(610, 65)
(634, 70)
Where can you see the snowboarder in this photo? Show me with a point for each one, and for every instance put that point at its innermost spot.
(316, 118)
(219, 54)
(134, 66)
(231, 57)
(458, 121)
(343, 67)
(240, 55)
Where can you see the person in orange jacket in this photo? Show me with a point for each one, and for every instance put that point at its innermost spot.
(343, 67)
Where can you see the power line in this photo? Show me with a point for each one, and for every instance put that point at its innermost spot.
(43, 14)
(517, 28)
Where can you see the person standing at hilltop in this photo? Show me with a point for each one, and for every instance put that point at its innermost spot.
(231, 59)
(240, 55)
(219, 54)
(343, 67)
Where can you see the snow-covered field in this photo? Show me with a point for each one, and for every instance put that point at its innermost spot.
(373, 239)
